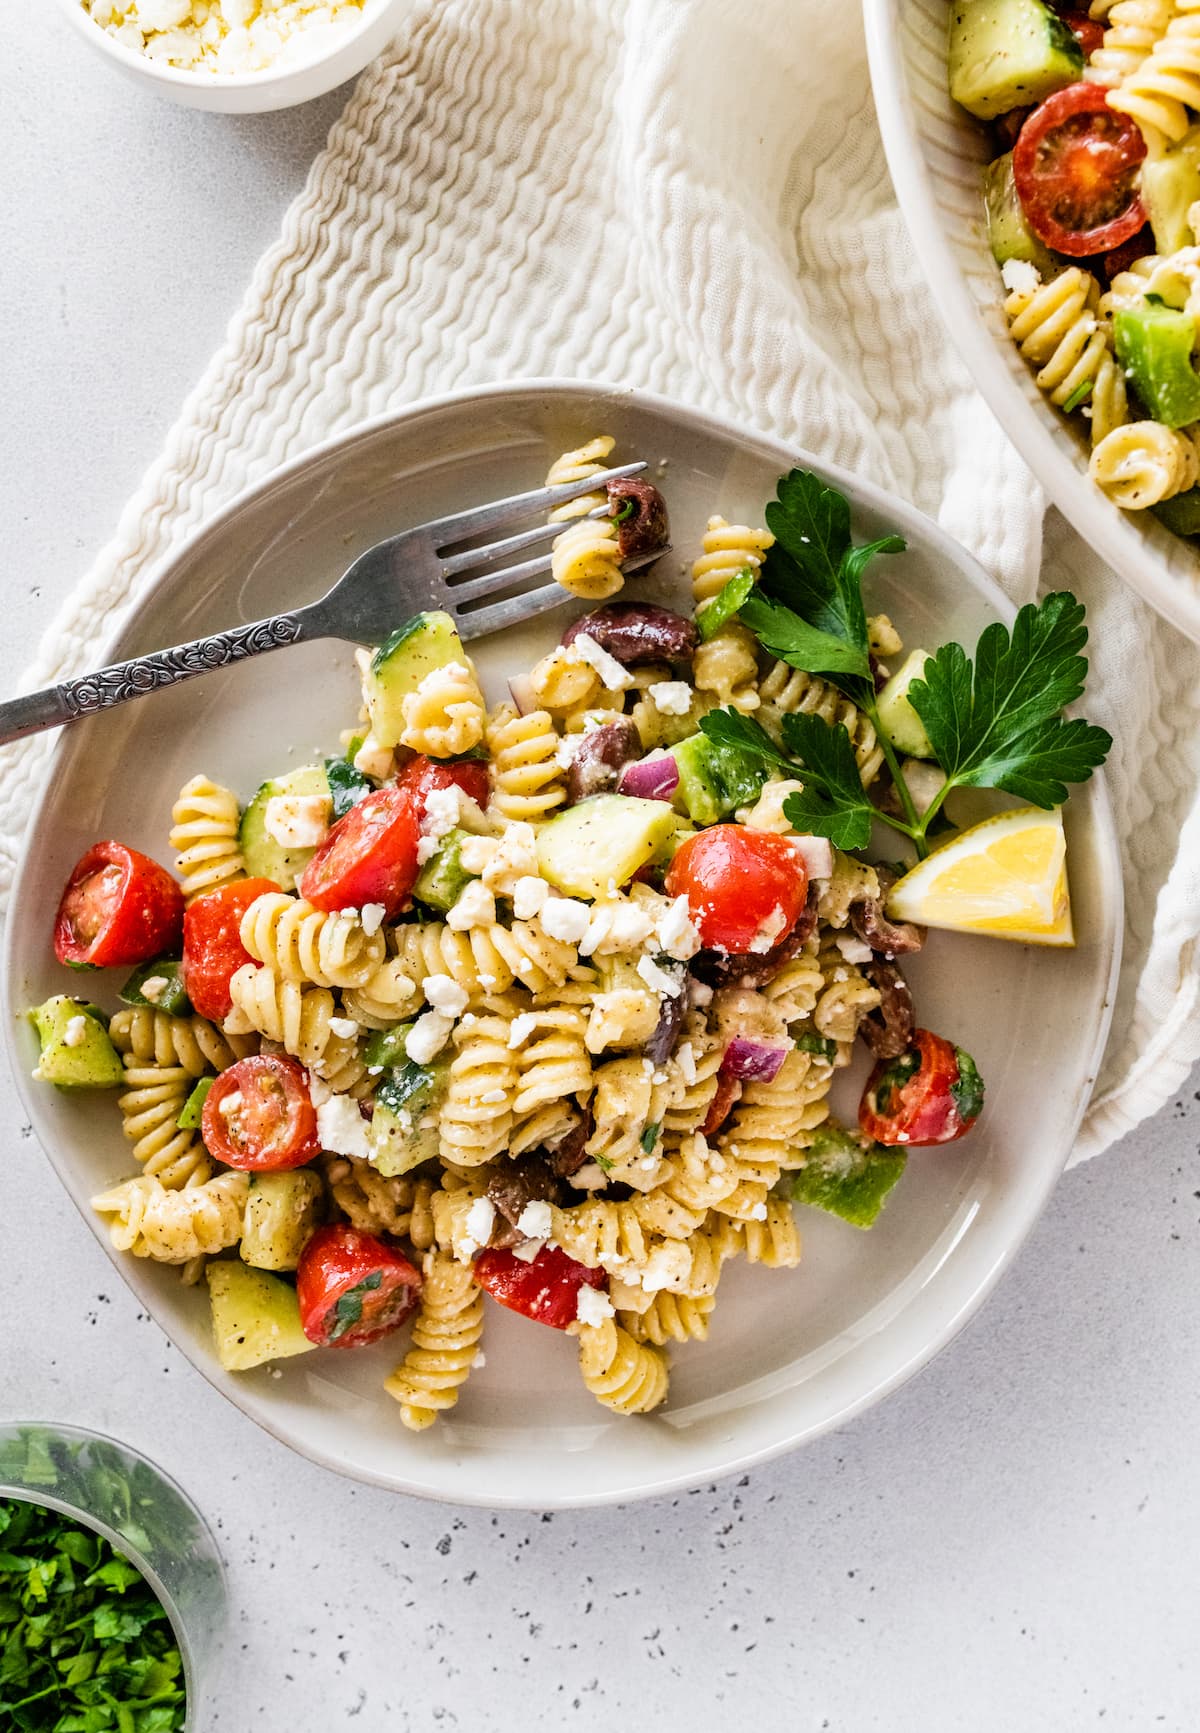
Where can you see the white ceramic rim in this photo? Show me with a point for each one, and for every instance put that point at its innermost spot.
(273, 78)
(906, 517)
(1127, 547)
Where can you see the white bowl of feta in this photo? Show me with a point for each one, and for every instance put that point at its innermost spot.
(237, 56)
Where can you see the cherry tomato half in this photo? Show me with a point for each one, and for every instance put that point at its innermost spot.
(370, 856)
(352, 1288)
(745, 888)
(546, 1289)
(729, 1092)
(259, 1117)
(119, 907)
(1086, 31)
(423, 775)
(1075, 165)
(212, 946)
(932, 1093)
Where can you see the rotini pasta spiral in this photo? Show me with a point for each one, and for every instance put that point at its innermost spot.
(153, 1038)
(1159, 89)
(204, 834)
(1133, 29)
(298, 1018)
(627, 1376)
(385, 997)
(844, 1002)
(772, 1121)
(302, 944)
(588, 460)
(477, 1113)
(726, 668)
(553, 1065)
(445, 716)
(774, 1239)
(370, 1201)
(486, 960)
(173, 1227)
(586, 559)
(670, 1318)
(445, 1342)
(784, 691)
(150, 1102)
(1143, 463)
(527, 779)
(563, 685)
(1056, 327)
(728, 550)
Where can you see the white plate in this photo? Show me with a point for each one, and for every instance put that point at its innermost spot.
(791, 1353)
(935, 151)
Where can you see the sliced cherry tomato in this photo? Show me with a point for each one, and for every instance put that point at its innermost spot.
(119, 907)
(212, 946)
(423, 775)
(259, 1116)
(352, 1288)
(729, 1091)
(932, 1093)
(370, 856)
(1075, 165)
(1086, 31)
(546, 1289)
(745, 888)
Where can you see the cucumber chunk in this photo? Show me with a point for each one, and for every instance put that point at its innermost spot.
(404, 1127)
(416, 649)
(714, 780)
(845, 1174)
(76, 1052)
(1009, 235)
(1181, 514)
(443, 878)
(256, 1317)
(897, 717)
(1170, 186)
(1006, 53)
(1154, 345)
(281, 1214)
(601, 842)
(192, 1112)
(264, 857)
(170, 996)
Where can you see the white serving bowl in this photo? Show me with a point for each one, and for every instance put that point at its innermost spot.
(791, 1353)
(935, 151)
(250, 92)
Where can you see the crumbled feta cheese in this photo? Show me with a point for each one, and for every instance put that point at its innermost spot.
(231, 1104)
(700, 994)
(521, 1028)
(346, 1027)
(318, 1089)
(441, 811)
(479, 1362)
(1020, 277)
(372, 916)
(428, 1036)
(445, 994)
(585, 649)
(477, 1229)
(853, 949)
(566, 919)
(476, 907)
(616, 926)
(298, 820)
(515, 858)
(758, 1213)
(767, 812)
(536, 1221)
(153, 988)
(529, 1251)
(477, 853)
(685, 1058)
(672, 697)
(493, 1097)
(427, 847)
(564, 752)
(593, 1305)
(658, 978)
(342, 1128)
(75, 1032)
(770, 931)
(373, 760)
(667, 1266)
(677, 931)
(528, 896)
(590, 1177)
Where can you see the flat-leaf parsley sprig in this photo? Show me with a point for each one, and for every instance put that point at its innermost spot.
(995, 722)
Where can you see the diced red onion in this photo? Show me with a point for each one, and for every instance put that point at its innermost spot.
(817, 854)
(752, 1061)
(650, 778)
(521, 688)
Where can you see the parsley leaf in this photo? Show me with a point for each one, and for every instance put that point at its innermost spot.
(996, 723)
(793, 640)
(724, 604)
(832, 802)
(731, 728)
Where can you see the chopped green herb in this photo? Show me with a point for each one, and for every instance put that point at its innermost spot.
(1080, 395)
(649, 1138)
(808, 1041)
(967, 1093)
(193, 1108)
(348, 1309)
(624, 512)
(725, 604)
(347, 786)
(894, 1077)
(605, 1163)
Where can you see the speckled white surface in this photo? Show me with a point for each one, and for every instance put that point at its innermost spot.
(1008, 1544)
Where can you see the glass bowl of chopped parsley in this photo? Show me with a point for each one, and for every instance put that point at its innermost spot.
(112, 1594)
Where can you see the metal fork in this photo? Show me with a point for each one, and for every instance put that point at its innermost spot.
(403, 575)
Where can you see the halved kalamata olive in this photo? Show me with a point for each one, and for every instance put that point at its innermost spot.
(635, 633)
(662, 1043)
(599, 757)
(568, 1154)
(756, 968)
(525, 1180)
(888, 1030)
(645, 527)
(888, 938)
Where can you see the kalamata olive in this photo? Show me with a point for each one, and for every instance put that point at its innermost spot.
(599, 757)
(756, 968)
(888, 1030)
(568, 1154)
(635, 633)
(643, 528)
(662, 1043)
(888, 938)
(525, 1180)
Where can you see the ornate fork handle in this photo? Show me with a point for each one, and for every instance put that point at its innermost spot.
(124, 680)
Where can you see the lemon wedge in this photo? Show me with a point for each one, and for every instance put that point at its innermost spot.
(1006, 877)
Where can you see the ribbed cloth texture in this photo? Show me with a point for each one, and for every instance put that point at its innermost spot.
(690, 196)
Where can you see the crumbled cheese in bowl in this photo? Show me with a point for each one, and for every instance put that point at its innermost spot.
(227, 36)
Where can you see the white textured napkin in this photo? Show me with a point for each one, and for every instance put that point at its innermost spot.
(690, 196)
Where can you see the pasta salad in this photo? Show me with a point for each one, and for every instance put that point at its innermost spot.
(543, 1001)
(1093, 212)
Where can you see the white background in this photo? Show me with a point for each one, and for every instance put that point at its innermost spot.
(1008, 1546)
